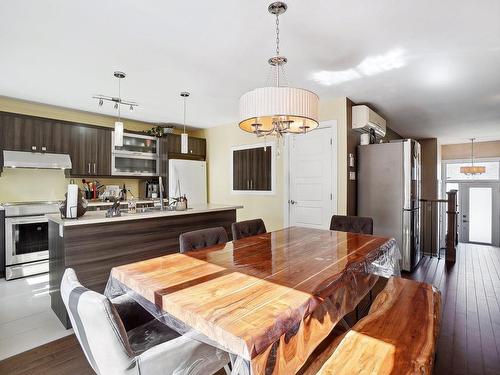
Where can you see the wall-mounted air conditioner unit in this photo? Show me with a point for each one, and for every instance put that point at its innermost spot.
(364, 119)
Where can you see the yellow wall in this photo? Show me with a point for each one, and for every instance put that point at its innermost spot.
(220, 139)
(34, 185)
(22, 185)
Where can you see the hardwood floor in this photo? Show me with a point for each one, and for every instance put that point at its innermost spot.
(60, 357)
(469, 342)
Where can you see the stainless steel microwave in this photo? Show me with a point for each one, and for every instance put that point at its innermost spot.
(139, 156)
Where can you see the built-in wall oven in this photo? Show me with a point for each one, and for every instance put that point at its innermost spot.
(27, 238)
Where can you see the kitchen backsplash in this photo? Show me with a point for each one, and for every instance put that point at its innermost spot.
(18, 185)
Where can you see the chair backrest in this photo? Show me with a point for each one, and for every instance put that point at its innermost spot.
(199, 239)
(248, 228)
(98, 328)
(354, 224)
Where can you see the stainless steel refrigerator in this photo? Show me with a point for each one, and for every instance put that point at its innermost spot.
(389, 192)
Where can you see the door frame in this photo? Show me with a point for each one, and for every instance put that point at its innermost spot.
(495, 185)
(332, 125)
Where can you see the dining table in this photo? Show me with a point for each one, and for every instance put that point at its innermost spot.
(268, 300)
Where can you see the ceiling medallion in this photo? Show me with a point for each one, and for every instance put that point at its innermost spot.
(278, 109)
(472, 170)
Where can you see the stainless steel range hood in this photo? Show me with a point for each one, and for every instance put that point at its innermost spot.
(22, 159)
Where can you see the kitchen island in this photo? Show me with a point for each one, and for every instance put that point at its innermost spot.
(93, 244)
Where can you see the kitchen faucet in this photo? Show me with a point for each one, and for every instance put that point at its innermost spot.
(160, 182)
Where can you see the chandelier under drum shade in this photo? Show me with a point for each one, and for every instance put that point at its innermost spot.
(278, 109)
(472, 169)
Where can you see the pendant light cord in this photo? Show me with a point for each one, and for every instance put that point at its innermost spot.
(184, 114)
(119, 98)
(472, 156)
(277, 35)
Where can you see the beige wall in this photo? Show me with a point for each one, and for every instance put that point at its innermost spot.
(22, 185)
(430, 190)
(430, 167)
(32, 185)
(220, 139)
(463, 150)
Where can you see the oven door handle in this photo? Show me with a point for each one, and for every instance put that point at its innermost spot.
(26, 220)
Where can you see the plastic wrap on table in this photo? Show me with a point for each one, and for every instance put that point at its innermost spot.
(302, 333)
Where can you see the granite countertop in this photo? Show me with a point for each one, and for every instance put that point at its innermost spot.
(96, 217)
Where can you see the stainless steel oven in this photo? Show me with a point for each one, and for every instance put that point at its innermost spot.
(27, 238)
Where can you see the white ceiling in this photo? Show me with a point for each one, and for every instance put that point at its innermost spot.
(431, 68)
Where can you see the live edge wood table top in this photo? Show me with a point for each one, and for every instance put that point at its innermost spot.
(253, 296)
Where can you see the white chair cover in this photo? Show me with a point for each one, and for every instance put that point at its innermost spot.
(107, 345)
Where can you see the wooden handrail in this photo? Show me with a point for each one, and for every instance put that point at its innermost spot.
(434, 200)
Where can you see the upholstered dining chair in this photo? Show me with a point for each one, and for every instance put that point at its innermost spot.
(199, 239)
(248, 228)
(118, 336)
(354, 224)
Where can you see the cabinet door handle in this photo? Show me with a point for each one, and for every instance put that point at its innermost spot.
(89, 168)
(248, 185)
(33, 148)
(95, 169)
(251, 184)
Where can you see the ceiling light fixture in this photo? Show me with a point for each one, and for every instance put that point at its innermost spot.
(118, 102)
(276, 110)
(472, 170)
(184, 135)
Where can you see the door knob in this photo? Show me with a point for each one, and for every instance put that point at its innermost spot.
(291, 201)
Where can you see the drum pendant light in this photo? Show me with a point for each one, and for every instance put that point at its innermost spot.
(278, 109)
(472, 170)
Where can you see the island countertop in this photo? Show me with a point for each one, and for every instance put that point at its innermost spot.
(96, 217)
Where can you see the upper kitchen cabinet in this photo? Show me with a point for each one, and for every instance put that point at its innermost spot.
(197, 148)
(28, 133)
(253, 169)
(90, 151)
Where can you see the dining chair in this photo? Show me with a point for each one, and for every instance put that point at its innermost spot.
(199, 239)
(118, 336)
(353, 224)
(248, 228)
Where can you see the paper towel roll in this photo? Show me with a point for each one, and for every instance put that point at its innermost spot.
(72, 201)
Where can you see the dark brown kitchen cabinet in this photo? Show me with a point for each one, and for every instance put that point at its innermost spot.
(197, 147)
(90, 151)
(27, 133)
(252, 169)
(88, 146)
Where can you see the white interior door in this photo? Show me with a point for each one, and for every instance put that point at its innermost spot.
(311, 171)
(480, 213)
